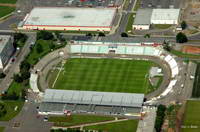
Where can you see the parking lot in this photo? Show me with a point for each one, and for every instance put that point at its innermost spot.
(29, 4)
(160, 3)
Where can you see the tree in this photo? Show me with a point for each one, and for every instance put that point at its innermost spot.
(160, 117)
(101, 34)
(183, 25)
(181, 38)
(17, 78)
(25, 65)
(52, 45)
(166, 46)
(25, 75)
(39, 48)
(147, 36)
(45, 35)
(124, 34)
(2, 75)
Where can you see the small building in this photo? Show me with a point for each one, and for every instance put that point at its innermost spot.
(165, 16)
(142, 19)
(6, 49)
(155, 71)
(60, 102)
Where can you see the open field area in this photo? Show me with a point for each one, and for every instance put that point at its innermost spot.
(109, 75)
(10, 107)
(125, 126)
(196, 87)
(5, 10)
(192, 117)
(78, 119)
(8, 1)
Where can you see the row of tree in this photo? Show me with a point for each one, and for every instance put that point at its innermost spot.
(160, 117)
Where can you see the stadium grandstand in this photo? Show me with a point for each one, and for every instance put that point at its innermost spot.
(108, 103)
(151, 49)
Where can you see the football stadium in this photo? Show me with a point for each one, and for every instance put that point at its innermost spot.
(109, 78)
(73, 19)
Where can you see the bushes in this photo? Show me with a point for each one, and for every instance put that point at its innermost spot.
(2, 110)
(160, 117)
(45, 35)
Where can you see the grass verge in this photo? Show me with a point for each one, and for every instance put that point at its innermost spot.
(125, 126)
(78, 119)
(184, 55)
(2, 129)
(161, 26)
(10, 107)
(8, 1)
(130, 22)
(5, 10)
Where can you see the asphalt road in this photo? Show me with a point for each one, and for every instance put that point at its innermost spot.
(14, 68)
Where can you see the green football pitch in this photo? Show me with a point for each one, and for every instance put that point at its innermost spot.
(192, 117)
(109, 75)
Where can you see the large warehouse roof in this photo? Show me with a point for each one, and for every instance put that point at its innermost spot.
(60, 16)
(165, 14)
(91, 97)
(143, 17)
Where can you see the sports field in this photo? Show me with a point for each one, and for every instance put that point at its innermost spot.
(110, 75)
(192, 117)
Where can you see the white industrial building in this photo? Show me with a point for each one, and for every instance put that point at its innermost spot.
(6, 49)
(73, 19)
(142, 19)
(165, 16)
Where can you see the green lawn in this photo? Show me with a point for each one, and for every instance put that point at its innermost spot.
(123, 126)
(10, 107)
(110, 75)
(8, 1)
(77, 119)
(2, 129)
(15, 87)
(4, 10)
(34, 56)
(192, 117)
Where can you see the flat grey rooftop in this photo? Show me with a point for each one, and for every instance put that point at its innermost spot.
(143, 17)
(91, 97)
(3, 41)
(65, 16)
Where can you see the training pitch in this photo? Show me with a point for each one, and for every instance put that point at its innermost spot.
(109, 75)
(192, 117)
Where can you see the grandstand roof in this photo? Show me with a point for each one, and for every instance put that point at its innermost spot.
(91, 97)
